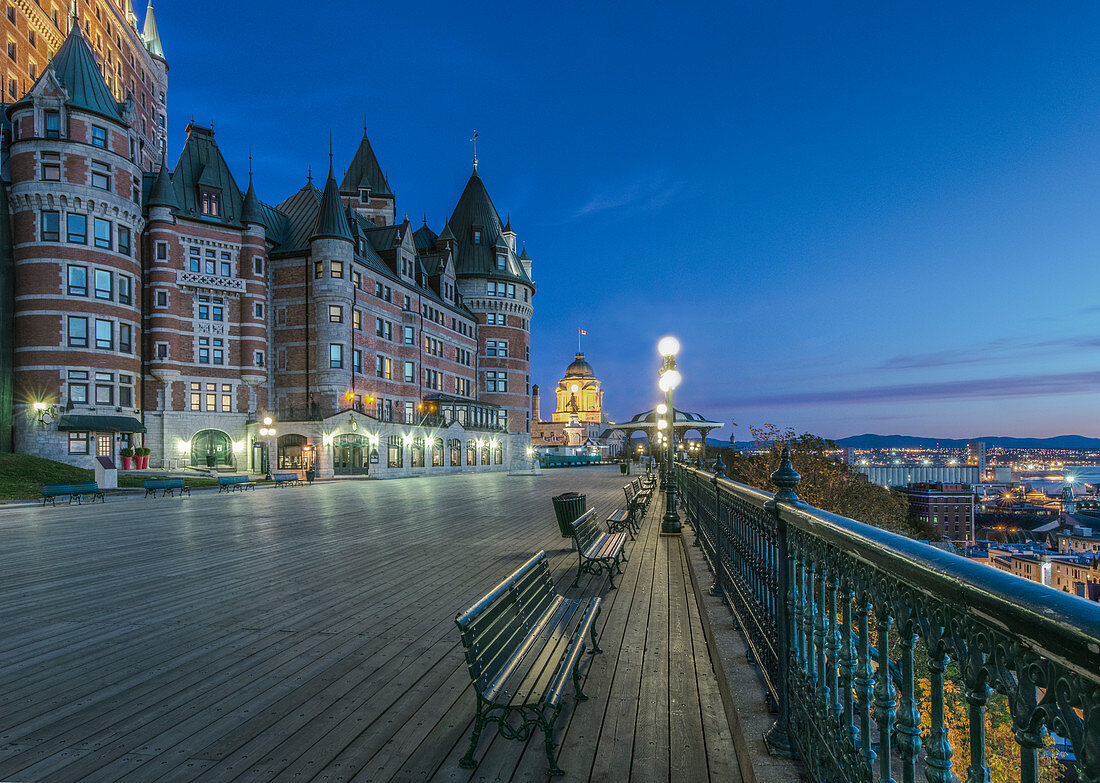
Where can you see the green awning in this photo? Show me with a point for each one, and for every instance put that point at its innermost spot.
(77, 423)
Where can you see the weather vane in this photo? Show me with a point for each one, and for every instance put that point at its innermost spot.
(474, 140)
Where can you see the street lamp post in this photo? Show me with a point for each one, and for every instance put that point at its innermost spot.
(669, 379)
(267, 432)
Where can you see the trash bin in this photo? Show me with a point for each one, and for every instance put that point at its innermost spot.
(567, 507)
(622, 468)
(310, 474)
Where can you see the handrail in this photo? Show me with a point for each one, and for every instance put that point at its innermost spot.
(834, 611)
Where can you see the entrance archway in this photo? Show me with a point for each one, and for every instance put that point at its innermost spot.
(211, 448)
(350, 455)
(294, 454)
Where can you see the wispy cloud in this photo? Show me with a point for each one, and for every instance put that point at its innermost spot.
(648, 194)
(1004, 387)
(993, 350)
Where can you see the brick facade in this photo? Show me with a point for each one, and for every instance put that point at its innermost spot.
(171, 310)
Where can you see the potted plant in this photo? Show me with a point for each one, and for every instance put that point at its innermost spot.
(127, 455)
(142, 457)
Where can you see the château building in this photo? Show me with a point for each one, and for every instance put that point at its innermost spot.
(170, 308)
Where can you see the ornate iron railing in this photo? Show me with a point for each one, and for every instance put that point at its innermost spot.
(864, 635)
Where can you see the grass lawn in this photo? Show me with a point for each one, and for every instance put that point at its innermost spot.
(20, 475)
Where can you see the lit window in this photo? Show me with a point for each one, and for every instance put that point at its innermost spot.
(210, 202)
(337, 269)
(335, 314)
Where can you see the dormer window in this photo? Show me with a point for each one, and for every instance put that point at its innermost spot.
(477, 236)
(210, 201)
(364, 195)
(53, 125)
(501, 265)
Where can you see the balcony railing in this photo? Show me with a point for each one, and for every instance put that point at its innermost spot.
(824, 602)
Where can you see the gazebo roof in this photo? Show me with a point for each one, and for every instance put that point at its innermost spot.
(684, 420)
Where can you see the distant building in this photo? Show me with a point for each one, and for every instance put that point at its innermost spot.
(900, 475)
(578, 423)
(948, 508)
(975, 455)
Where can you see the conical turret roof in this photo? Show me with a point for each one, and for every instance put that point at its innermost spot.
(74, 65)
(150, 33)
(250, 211)
(163, 194)
(364, 172)
(475, 212)
(332, 222)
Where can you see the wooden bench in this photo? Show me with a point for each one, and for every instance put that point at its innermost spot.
(286, 479)
(622, 519)
(77, 492)
(523, 641)
(232, 483)
(636, 501)
(596, 550)
(168, 486)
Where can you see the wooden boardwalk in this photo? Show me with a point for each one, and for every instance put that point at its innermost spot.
(306, 634)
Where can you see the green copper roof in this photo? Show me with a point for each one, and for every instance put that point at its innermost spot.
(364, 172)
(76, 70)
(163, 195)
(150, 34)
(424, 238)
(475, 213)
(332, 220)
(201, 163)
(250, 210)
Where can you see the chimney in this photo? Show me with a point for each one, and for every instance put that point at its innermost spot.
(535, 415)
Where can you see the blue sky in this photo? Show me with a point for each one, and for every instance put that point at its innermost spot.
(857, 217)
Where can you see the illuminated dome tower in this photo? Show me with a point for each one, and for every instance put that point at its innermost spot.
(579, 393)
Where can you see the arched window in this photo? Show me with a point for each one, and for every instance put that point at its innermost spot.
(437, 453)
(396, 458)
(471, 453)
(211, 448)
(292, 452)
(416, 458)
(498, 454)
(455, 446)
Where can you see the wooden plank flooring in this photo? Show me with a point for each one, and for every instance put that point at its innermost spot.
(307, 634)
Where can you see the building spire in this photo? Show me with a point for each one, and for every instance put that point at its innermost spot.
(150, 34)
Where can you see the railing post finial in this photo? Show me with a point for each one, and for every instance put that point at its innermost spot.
(786, 478)
(719, 467)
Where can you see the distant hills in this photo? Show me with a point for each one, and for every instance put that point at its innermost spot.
(871, 441)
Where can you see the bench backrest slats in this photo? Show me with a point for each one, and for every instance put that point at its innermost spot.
(586, 530)
(495, 627)
(68, 489)
(162, 483)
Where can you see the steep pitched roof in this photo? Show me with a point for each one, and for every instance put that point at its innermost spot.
(300, 211)
(475, 210)
(332, 219)
(201, 162)
(162, 195)
(364, 172)
(150, 33)
(75, 68)
(424, 237)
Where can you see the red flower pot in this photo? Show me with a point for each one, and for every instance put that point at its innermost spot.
(143, 462)
(126, 462)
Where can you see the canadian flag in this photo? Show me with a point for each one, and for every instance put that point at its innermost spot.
(582, 331)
